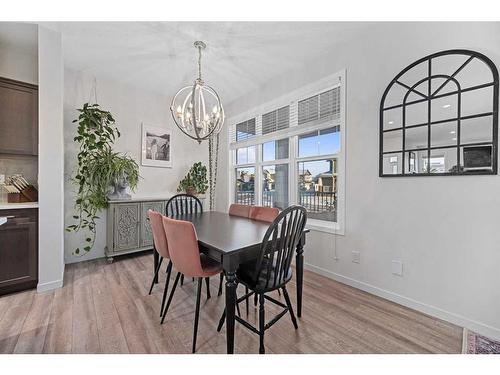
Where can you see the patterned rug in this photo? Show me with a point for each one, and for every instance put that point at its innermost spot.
(474, 343)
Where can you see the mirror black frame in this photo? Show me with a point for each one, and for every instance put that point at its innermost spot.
(428, 98)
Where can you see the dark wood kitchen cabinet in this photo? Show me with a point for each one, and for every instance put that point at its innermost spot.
(19, 250)
(18, 118)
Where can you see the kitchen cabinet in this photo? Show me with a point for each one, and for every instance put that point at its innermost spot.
(19, 250)
(18, 118)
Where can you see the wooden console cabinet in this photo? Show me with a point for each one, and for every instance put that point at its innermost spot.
(128, 230)
(19, 250)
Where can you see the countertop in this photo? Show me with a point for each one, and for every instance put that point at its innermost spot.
(16, 206)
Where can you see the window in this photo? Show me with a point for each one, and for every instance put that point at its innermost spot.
(275, 150)
(245, 186)
(245, 155)
(317, 187)
(294, 154)
(275, 186)
(321, 142)
(245, 130)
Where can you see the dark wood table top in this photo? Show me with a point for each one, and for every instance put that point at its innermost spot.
(225, 233)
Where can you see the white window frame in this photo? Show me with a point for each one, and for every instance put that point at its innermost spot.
(335, 80)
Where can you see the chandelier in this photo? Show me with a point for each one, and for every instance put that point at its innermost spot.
(197, 109)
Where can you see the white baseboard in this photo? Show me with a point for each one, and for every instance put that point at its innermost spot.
(462, 321)
(45, 287)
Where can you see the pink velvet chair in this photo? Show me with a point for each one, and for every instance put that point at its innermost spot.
(267, 214)
(161, 246)
(186, 257)
(242, 210)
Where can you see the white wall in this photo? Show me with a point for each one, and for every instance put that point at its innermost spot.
(130, 107)
(18, 65)
(51, 160)
(443, 229)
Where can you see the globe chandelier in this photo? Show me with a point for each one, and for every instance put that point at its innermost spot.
(197, 110)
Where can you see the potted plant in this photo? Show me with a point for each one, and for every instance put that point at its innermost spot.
(195, 182)
(101, 173)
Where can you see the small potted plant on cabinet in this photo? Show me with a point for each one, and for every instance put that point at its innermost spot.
(195, 182)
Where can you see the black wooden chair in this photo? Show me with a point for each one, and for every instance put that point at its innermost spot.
(272, 270)
(186, 204)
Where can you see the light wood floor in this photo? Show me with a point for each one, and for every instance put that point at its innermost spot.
(105, 308)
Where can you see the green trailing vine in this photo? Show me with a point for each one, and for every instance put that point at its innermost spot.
(98, 169)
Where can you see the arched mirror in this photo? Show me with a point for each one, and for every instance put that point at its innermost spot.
(439, 116)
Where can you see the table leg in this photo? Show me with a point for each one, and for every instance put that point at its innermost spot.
(156, 258)
(299, 266)
(231, 285)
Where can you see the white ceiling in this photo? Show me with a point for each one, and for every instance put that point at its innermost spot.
(159, 56)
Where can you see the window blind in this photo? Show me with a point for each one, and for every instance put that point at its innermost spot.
(278, 119)
(245, 130)
(321, 106)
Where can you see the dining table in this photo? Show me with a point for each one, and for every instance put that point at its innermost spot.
(232, 241)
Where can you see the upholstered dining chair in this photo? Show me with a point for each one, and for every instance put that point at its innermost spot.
(161, 246)
(273, 268)
(187, 260)
(185, 204)
(267, 214)
(242, 210)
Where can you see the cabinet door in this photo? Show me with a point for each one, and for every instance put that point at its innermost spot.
(146, 233)
(126, 228)
(18, 253)
(18, 118)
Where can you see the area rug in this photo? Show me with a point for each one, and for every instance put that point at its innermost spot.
(474, 343)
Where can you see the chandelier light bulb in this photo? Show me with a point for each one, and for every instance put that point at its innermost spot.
(191, 107)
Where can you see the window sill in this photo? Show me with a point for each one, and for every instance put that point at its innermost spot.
(324, 226)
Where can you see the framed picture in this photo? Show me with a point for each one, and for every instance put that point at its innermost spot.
(156, 147)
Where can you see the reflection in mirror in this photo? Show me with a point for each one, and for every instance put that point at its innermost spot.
(446, 65)
(479, 129)
(391, 163)
(475, 73)
(444, 134)
(393, 118)
(395, 96)
(477, 101)
(414, 162)
(445, 108)
(476, 158)
(416, 138)
(416, 114)
(442, 160)
(393, 141)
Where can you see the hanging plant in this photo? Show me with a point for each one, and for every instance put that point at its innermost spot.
(98, 169)
(213, 156)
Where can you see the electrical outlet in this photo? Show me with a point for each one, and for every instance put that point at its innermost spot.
(356, 256)
(397, 267)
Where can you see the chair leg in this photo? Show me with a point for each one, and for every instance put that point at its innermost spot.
(170, 297)
(246, 299)
(165, 290)
(221, 321)
(279, 293)
(155, 275)
(262, 350)
(197, 313)
(182, 280)
(207, 281)
(238, 308)
(219, 293)
(290, 308)
(255, 297)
